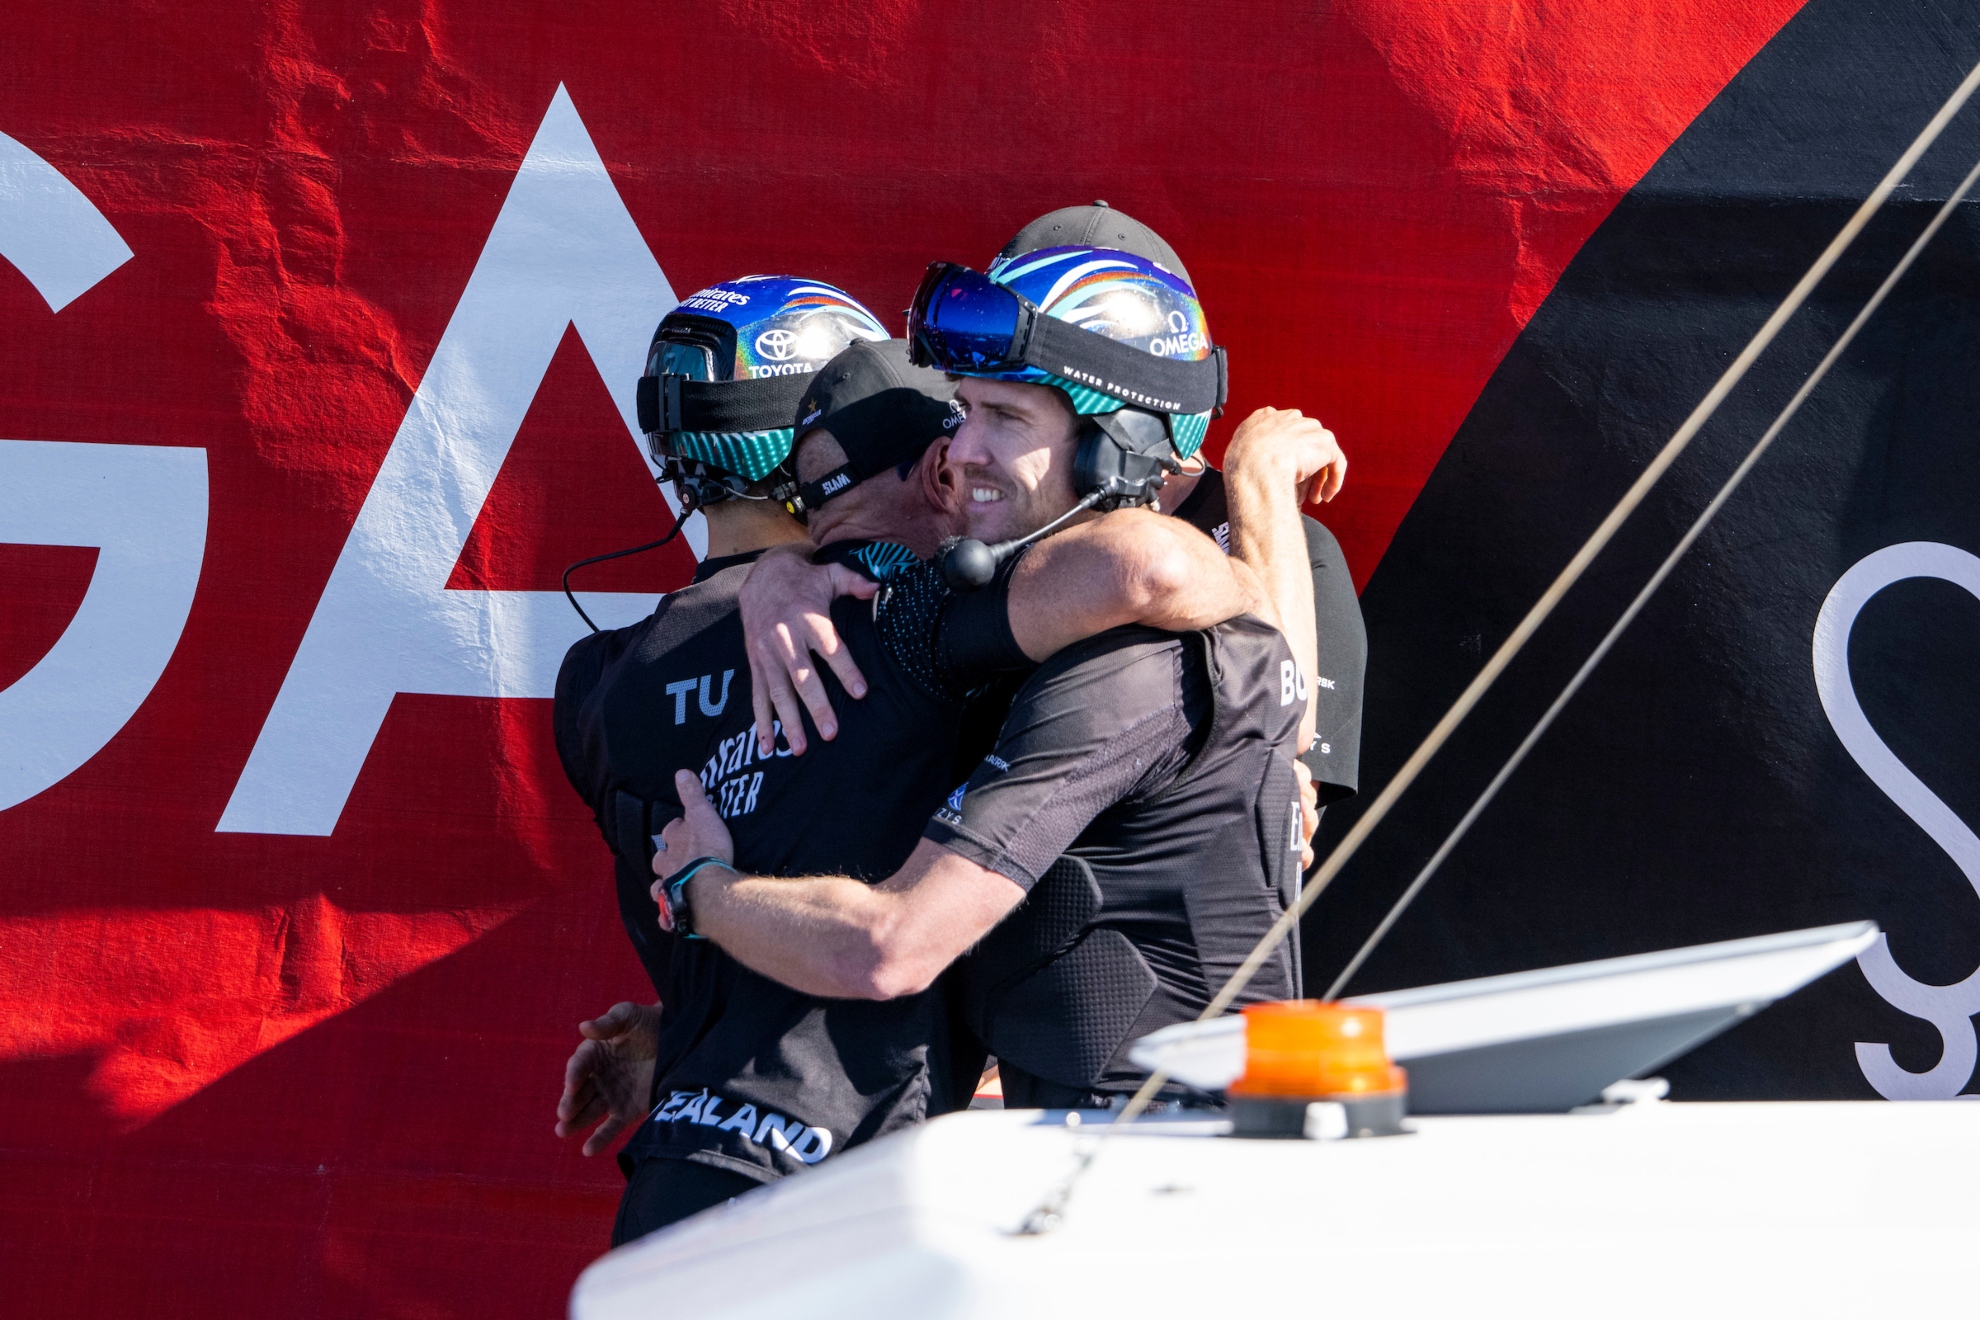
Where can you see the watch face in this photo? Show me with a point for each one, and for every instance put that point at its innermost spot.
(678, 906)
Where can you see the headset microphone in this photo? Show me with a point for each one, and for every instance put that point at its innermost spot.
(969, 564)
(1121, 460)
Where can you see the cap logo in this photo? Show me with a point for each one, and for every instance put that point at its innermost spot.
(833, 485)
(955, 417)
(777, 345)
(812, 416)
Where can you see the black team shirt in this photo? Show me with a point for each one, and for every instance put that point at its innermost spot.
(1141, 793)
(1158, 764)
(753, 1076)
(1335, 757)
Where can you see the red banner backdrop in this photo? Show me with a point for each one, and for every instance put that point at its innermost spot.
(299, 913)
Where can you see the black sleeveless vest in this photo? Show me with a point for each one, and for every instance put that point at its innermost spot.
(1062, 987)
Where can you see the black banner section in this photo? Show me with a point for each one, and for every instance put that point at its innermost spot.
(1727, 772)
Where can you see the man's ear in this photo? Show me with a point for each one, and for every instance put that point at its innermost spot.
(939, 485)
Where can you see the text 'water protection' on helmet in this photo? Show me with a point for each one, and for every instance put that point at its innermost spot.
(727, 366)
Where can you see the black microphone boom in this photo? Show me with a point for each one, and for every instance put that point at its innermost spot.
(968, 564)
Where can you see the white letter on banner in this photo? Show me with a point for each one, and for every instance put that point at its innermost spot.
(1950, 1008)
(49, 231)
(564, 251)
(144, 508)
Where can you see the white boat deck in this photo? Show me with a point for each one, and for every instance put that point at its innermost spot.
(1750, 1210)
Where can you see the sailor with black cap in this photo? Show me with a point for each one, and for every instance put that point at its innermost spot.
(880, 411)
(750, 1079)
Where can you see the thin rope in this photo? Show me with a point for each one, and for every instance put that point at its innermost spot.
(1649, 588)
(1046, 1215)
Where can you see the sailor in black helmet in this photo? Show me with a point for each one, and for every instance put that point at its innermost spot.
(1141, 791)
(752, 1080)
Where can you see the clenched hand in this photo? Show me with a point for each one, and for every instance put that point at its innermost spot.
(1309, 814)
(1299, 447)
(610, 1075)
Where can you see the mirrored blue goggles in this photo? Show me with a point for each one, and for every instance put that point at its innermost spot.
(963, 321)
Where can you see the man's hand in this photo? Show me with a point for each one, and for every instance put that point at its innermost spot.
(1309, 814)
(698, 833)
(787, 615)
(610, 1075)
(1304, 453)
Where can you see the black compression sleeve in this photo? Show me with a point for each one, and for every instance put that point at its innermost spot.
(948, 643)
(974, 642)
(906, 617)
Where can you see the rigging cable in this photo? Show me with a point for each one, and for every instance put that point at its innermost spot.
(1046, 1214)
(1649, 588)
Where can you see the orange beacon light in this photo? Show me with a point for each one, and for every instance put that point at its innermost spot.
(1311, 1065)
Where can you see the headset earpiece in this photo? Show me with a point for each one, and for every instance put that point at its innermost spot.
(1087, 459)
(1120, 460)
(1125, 456)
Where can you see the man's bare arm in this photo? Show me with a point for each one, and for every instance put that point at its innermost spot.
(1275, 459)
(1129, 566)
(834, 936)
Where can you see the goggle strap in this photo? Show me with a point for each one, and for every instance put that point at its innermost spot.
(681, 403)
(646, 402)
(1170, 385)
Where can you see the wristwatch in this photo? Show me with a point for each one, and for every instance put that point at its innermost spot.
(675, 890)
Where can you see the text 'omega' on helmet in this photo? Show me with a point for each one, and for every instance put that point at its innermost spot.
(1121, 296)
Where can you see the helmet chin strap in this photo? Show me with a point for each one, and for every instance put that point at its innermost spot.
(701, 485)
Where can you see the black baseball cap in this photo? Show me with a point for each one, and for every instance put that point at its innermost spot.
(883, 411)
(1098, 225)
